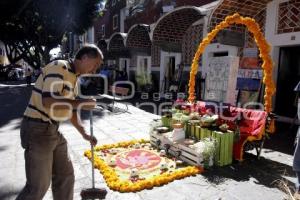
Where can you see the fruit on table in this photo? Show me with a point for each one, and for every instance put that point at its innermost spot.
(180, 117)
(194, 115)
(187, 111)
(224, 127)
(209, 119)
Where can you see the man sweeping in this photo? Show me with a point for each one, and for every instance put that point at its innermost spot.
(52, 101)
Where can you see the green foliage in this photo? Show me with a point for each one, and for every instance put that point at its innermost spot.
(42, 24)
(209, 148)
(143, 79)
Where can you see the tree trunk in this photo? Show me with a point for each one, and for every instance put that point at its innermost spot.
(13, 53)
(32, 57)
(46, 55)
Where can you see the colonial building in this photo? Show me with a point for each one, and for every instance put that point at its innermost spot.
(139, 43)
(157, 37)
(160, 38)
(110, 36)
(280, 22)
(175, 37)
(112, 19)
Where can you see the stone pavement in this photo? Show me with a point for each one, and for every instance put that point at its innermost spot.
(250, 180)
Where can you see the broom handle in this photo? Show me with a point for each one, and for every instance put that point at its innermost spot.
(92, 148)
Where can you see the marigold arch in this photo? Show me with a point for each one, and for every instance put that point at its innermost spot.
(263, 47)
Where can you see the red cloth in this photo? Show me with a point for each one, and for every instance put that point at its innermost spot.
(252, 124)
(252, 121)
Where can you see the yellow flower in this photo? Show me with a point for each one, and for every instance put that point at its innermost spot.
(116, 184)
(262, 44)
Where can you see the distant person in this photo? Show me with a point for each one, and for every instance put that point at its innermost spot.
(28, 75)
(53, 100)
(37, 72)
(105, 72)
(122, 76)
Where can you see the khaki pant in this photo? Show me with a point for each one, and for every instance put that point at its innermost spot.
(46, 160)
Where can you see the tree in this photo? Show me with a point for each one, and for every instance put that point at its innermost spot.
(37, 26)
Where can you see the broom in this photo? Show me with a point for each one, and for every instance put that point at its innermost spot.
(93, 193)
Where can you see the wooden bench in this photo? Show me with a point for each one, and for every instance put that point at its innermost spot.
(252, 129)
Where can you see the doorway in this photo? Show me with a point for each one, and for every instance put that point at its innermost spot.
(170, 68)
(288, 77)
(143, 72)
(169, 63)
(143, 64)
(124, 66)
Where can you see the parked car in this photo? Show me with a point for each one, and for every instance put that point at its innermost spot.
(16, 74)
(3, 73)
(12, 72)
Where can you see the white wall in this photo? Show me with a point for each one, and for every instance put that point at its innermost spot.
(272, 37)
(91, 35)
(155, 69)
(111, 62)
(122, 19)
(277, 40)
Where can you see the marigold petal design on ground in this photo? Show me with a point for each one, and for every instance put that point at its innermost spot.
(147, 162)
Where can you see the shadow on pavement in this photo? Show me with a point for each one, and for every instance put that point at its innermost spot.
(283, 139)
(263, 171)
(14, 100)
(6, 194)
(85, 115)
(3, 148)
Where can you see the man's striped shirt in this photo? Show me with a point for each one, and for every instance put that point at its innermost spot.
(58, 80)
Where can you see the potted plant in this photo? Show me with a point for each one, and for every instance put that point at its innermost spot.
(143, 80)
